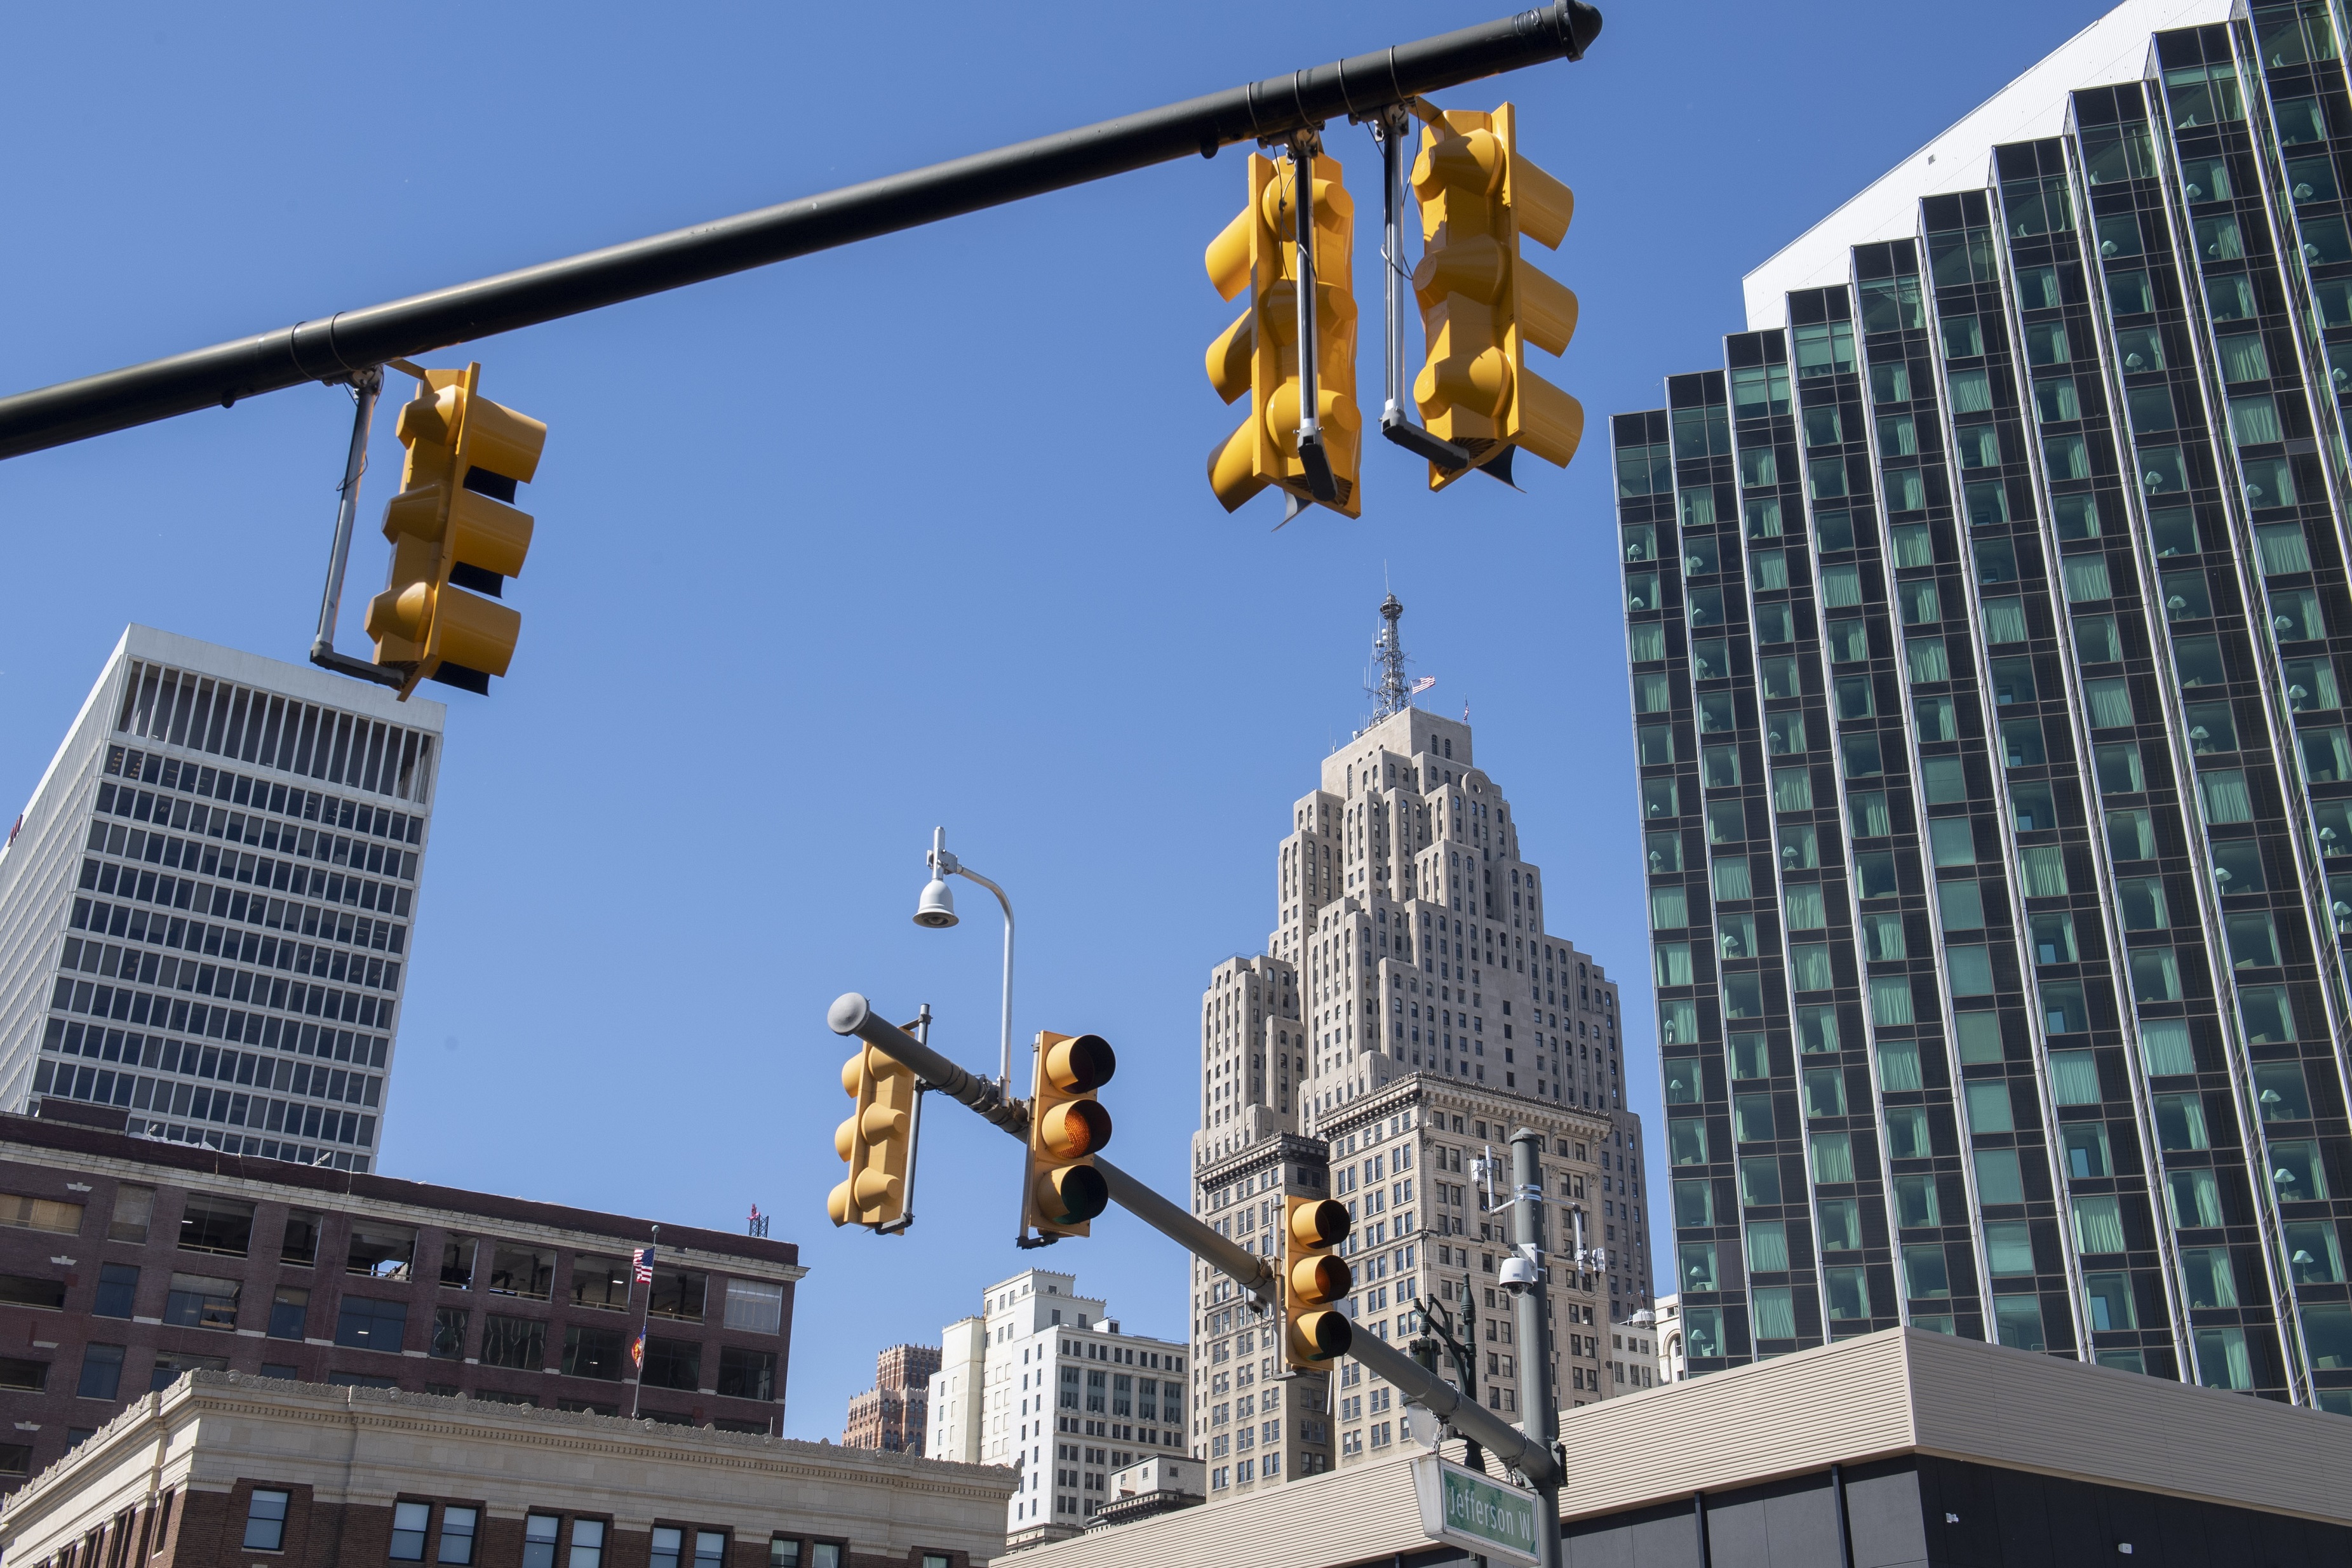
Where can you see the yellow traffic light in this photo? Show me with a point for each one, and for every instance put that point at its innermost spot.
(1482, 305)
(1258, 354)
(875, 1140)
(1314, 1278)
(454, 535)
(1067, 1126)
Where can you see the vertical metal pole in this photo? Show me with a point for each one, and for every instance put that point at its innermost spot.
(1392, 260)
(365, 385)
(1537, 1418)
(921, 1030)
(1311, 455)
(645, 1318)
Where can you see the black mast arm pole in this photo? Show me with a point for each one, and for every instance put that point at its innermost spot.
(335, 348)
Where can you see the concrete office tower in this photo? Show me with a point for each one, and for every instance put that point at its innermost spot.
(1985, 612)
(1410, 1011)
(205, 909)
(1042, 1381)
(891, 1416)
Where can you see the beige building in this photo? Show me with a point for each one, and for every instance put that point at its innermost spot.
(1410, 1011)
(1897, 1448)
(221, 1468)
(1043, 1380)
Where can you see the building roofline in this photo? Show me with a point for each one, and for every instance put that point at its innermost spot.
(30, 1138)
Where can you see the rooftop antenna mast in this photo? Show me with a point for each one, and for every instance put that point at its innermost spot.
(1394, 693)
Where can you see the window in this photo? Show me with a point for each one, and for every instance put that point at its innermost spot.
(588, 1543)
(522, 1271)
(456, 1536)
(668, 1546)
(300, 1246)
(218, 1225)
(539, 1534)
(448, 1333)
(102, 1372)
(118, 1288)
(265, 1520)
(410, 1521)
(1914, 1201)
(366, 1324)
(593, 1353)
(133, 1208)
(2000, 1179)
(672, 1363)
(199, 1302)
(519, 1343)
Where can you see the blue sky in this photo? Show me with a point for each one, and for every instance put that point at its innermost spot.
(909, 533)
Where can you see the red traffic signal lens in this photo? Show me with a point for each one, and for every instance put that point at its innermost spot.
(1080, 1064)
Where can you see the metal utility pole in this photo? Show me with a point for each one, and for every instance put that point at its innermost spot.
(851, 1014)
(1523, 1276)
(341, 346)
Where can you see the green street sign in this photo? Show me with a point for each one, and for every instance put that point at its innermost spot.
(1462, 1507)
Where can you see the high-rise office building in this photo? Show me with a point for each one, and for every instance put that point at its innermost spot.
(1985, 611)
(1410, 1011)
(205, 909)
(1041, 1381)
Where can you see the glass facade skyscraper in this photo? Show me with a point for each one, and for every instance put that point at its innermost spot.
(1987, 624)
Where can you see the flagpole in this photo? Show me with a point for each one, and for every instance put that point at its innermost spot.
(644, 1315)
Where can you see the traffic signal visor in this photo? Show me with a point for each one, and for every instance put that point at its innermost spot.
(1315, 1280)
(875, 1140)
(1067, 1126)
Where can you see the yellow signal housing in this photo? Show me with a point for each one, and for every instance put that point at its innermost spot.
(1257, 253)
(1315, 1278)
(455, 536)
(1482, 306)
(875, 1140)
(1061, 1190)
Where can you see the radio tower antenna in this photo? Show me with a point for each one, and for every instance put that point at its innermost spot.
(1394, 693)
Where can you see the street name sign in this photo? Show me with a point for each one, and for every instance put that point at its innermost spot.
(1469, 1509)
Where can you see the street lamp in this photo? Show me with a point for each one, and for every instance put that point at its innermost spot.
(935, 909)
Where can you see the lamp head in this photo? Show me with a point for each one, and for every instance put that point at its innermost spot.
(936, 908)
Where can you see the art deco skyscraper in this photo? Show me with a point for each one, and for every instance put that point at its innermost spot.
(1986, 611)
(1410, 1009)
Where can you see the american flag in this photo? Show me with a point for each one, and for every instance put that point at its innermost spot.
(643, 1259)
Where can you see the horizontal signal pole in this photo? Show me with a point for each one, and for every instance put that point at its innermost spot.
(851, 1014)
(335, 349)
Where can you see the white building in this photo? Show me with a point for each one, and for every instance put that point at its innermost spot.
(1673, 1360)
(205, 909)
(1410, 1011)
(1043, 1380)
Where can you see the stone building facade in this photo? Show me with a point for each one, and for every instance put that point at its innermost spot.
(225, 1469)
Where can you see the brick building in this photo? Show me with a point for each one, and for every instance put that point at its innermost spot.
(225, 1469)
(891, 1416)
(125, 1261)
